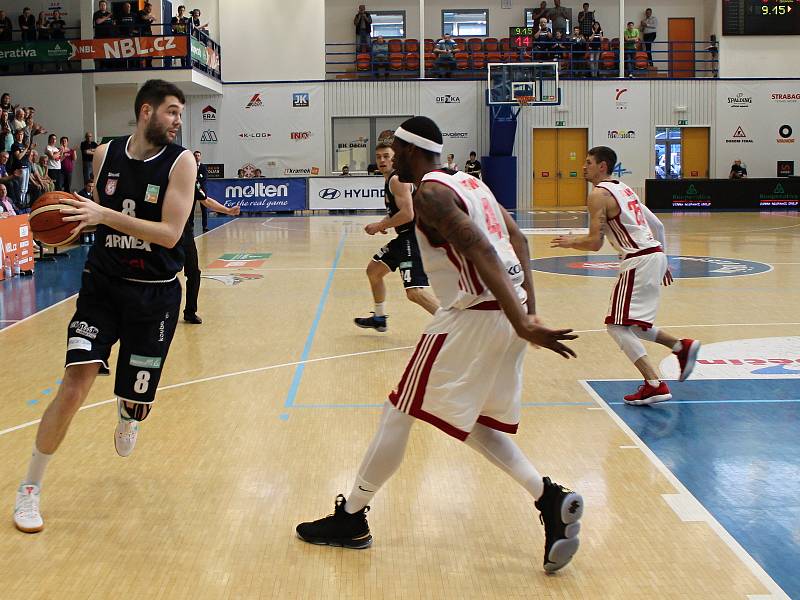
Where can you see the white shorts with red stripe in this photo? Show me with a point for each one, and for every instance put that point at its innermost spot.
(466, 369)
(638, 291)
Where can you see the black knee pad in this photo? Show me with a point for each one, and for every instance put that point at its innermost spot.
(134, 410)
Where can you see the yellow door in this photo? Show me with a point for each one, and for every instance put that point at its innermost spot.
(571, 154)
(545, 168)
(694, 152)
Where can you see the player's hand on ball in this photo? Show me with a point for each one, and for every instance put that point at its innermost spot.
(539, 335)
(85, 212)
(373, 228)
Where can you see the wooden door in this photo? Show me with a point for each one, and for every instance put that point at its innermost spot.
(572, 147)
(545, 168)
(694, 152)
(681, 47)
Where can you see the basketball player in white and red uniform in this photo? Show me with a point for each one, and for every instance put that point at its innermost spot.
(638, 236)
(465, 376)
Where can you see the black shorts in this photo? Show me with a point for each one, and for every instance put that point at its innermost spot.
(141, 316)
(403, 253)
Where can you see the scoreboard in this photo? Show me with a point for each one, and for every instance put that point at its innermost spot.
(761, 17)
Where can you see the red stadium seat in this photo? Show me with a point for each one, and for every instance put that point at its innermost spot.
(395, 46)
(491, 44)
(478, 61)
(640, 59)
(494, 57)
(396, 61)
(429, 45)
(462, 60)
(510, 56)
(608, 60)
(475, 45)
(505, 45)
(363, 62)
(412, 61)
(411, 46)
(430, 57)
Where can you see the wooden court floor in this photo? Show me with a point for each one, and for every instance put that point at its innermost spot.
(245, 442)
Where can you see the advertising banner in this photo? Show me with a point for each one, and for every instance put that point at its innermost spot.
(759, 124)
(725, 194)
(21, 52)
(621, 121)
(205, 55)
(16, 243)
(453, 105)
(345, 192)
(145, 47)
(275, 130)
(259, 195)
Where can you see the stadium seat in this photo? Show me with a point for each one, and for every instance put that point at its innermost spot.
(363, 62)
(429, 45)
(412, 61)
(462, 60)
(510, 56)
(395, 46)
(461, 43)
(475, 45)
(430, 57)
(608, 60)
(505, 44)
(411, 46)
(640, 59)
(494, 57)
(396, 61)
(478, 61)
(491, 44)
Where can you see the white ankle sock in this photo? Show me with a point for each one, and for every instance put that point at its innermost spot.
(654, 382)
(677, 347)
(380, 309)
(36, 467)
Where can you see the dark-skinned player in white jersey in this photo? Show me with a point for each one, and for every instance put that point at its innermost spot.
(402, 253)
(638, 236)
(129, 291)
(465, 376)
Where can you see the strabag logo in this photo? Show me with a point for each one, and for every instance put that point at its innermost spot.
(448, 99)
(257, 190)
(255, 101)
(253, 135)
(209, 113)
(209, 137)
(785, 133)
(785, 97)
(740, 101)
(621, 135)
(739, 137)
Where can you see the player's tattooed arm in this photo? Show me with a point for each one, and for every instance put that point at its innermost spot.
(598, 218)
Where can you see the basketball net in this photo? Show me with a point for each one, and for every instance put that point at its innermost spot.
(524, 100)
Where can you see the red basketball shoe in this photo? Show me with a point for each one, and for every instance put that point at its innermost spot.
(687, 356)
(648, 394)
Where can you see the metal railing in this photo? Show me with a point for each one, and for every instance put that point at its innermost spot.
(657, 59)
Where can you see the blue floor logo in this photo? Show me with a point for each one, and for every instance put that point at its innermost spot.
(682, 267)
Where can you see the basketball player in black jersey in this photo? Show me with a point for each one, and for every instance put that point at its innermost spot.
(129, 291)
(400, 253)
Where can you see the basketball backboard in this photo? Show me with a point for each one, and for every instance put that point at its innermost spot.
(536, 81)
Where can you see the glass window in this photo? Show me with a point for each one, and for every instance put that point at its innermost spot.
(389, 24)
(466, 22)
(529, 19)
(668, 147)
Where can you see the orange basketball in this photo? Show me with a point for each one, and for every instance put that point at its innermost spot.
(47, 225)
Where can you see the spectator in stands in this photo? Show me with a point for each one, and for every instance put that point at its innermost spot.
(87, 191)
(18, 122)
(595, 48)
(57, 26)
(67, 164)
(585, 20)
(240, 173)
(88, 146)
(180, 26)
(363, 23)
(559, 47)
(20, 153)
(8, 177)
(380, 56)
(40, 175)
(6, 29)
(103, 28)
(42, 27)
(473, 165)
(6, 135)
(27, 25)
(580, 48)
(54, 162)
(559, 16)
(345, 171)
(146, 19)
(738, 170)
(649, 27)
(196, 22)
(543, 39)
(5, 99)
(372, 169)
(6, 205)
(632, 38)
(128, 26)
(540, 13)
(445, 50)
(451, 162)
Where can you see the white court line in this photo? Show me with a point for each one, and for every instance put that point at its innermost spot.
(9, 320)
(46, 308)
(775, 592)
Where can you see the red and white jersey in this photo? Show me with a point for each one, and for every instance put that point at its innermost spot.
(455, 279)
(629, 230)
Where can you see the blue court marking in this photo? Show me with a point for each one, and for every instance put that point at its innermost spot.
(298, 371)
(734, 444)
